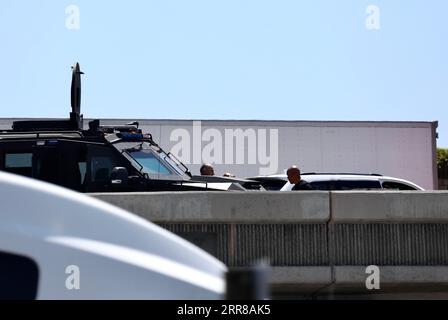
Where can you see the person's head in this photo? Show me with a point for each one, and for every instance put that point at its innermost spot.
(293, 175)
(228, 175)
(207, 170)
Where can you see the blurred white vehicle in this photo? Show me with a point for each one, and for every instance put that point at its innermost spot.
(59, 244)
(338, 181)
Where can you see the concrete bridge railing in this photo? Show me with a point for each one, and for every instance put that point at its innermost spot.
(317, 242)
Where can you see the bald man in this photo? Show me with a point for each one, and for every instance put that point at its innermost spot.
(295, 178)
(207, 170)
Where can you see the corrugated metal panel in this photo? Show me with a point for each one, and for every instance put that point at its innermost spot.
(243, 244)
(283, 244)
(390, 244)
(218, 233)
(307, 245)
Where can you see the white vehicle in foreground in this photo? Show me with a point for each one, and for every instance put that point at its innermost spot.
(59, 244)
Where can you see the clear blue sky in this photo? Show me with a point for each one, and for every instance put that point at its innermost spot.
(233, 59)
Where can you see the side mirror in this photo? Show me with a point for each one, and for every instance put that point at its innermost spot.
(119, 176)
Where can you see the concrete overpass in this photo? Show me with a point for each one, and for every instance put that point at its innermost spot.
(319, 244)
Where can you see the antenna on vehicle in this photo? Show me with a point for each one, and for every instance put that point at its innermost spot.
(74, 123)
(75, 115)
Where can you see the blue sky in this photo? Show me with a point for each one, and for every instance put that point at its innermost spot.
(246, 59)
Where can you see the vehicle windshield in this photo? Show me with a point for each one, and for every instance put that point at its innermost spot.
(152, 160)
(150, 163)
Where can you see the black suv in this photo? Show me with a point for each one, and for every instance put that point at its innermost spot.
(99, 159)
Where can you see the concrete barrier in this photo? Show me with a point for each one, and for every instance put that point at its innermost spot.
(389, 206)
(222, 207)
(350, 282)
(286, 207)
(319, 243)
(393, 275)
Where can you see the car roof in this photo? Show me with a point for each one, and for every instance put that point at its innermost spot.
(312, 177)
(326, 176)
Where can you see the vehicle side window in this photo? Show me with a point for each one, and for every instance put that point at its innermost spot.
(100, 162)
(72, 165)
(358, 184)
(396, 186)
(82, 166)
(101, 167)
(19, 163)
(273, 185)
(324, 185)
(19, 277)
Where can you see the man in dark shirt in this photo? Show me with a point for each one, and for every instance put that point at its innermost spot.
(294, 178)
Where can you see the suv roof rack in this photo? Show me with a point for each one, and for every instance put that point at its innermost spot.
(44, 125)
(343, 173)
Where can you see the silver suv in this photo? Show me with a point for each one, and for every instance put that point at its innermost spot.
(338, 181)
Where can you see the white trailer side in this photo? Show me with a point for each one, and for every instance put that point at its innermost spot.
(248, 148)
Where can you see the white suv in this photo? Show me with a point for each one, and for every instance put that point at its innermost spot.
(338, 181)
